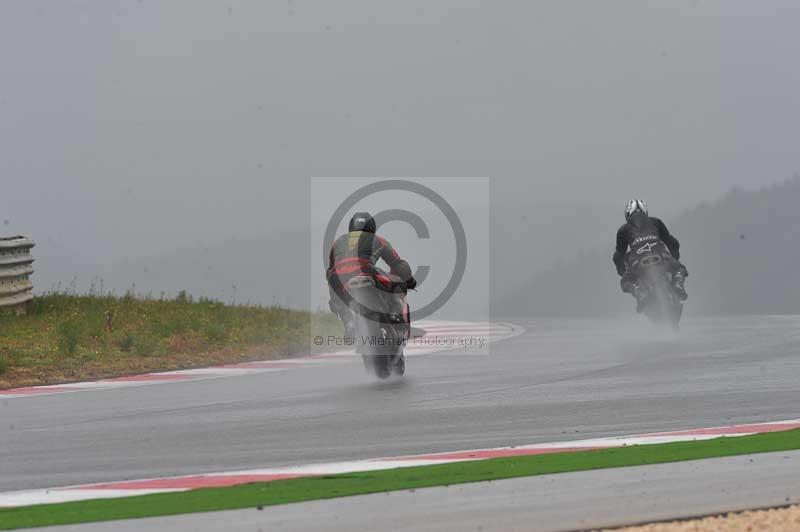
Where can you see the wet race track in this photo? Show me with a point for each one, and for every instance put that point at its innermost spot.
(556, 381)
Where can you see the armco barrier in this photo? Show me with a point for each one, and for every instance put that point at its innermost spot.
(16, 267)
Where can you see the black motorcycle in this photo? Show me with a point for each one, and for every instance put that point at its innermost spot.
(655, 290)
(379, 325)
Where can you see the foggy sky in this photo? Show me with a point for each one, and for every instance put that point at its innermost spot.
(128, 129)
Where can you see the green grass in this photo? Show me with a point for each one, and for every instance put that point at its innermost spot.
(70, 337)
(306, 489)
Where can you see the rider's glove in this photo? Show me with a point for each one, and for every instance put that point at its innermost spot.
(411, 283)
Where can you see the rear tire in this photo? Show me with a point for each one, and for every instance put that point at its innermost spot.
(383, 366)
(662, 304)
(376, 338)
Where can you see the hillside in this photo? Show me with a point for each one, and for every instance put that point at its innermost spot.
(740, 252)
(278, 267)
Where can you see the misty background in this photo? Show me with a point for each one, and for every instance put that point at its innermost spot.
(171, 146)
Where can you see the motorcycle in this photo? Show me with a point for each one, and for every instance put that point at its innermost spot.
(380, 324)
(655, 291)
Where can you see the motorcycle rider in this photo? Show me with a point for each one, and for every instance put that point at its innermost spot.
(643, 233)
(356, 253)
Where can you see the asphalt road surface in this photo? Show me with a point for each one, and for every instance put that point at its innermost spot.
(569, 501)
(559, 380)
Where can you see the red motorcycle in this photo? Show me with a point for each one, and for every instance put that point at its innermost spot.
(380, 323)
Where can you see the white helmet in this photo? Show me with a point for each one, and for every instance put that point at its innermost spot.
(635, 205)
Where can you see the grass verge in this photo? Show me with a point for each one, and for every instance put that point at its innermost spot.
(70, 337)
(326, 487)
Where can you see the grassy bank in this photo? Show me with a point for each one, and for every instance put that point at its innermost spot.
(66, 337)
(306, 489)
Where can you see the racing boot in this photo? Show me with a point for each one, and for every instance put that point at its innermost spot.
(399, 364)
(349, 332)
(677, 282)
(626, 285)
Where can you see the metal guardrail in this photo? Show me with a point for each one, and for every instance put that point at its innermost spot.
(16, 267)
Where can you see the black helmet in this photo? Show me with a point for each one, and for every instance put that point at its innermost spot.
(362, 221)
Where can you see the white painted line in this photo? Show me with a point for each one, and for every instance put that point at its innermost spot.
(167, 485)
